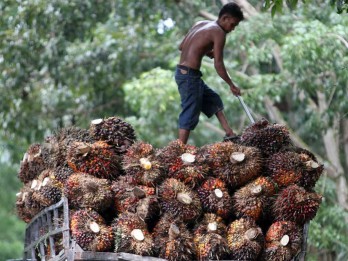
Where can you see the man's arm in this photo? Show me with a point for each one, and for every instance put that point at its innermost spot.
(219, 43)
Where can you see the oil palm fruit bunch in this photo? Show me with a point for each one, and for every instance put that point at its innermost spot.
(252, 199)
(283, 241)
(90, 231)
(132, 235)
(184, 162)
(170, 153)
(179, 200)
(97, 159)
(245, 239)
(50, 148)
(114, 131)
(210, 238)
(235, 164)
(48, 190)
(62, 173)
(32, 164)
(26, 206)
(285, 168)
(215, 198)
(269, 138)
(140, 161)
(173, 241)
(65, 137)
(135, 198)
(311, 168)
(87, 191)
(295, 204)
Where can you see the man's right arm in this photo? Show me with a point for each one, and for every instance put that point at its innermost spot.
(219, 43)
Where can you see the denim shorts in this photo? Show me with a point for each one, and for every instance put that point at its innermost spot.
(196, 97)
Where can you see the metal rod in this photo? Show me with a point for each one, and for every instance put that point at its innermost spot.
(246, 109)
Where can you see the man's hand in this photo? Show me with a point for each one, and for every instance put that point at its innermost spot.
(235, 90)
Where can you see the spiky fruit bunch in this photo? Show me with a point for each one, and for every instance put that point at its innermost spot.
(170, 153)
(179, 200)
(210, 238)
(245, 239)
(184, 162)
(97, 159)
(173, 241)
(26, 206)
(114, 131)
(90, 231)
(283, 241)
(131, 235)
(253, 198)
(285, 168)
(295, 204)
(311, 168)
(140, 161)
(65, 137)
(47, 191)
(32, 164)
(135, 198)
(86, 191)
(269, 138)
(49, 149)
(215, 198)
(62, 173)
(235, 164)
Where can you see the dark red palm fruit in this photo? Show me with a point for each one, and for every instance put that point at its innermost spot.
(86, 191)
(295, 204)
(215, 198)
(115, 131)
(179, 200)
(269, 138)
(62, 173)
(285, 168)
(32, 164)
(48, 191)
(131, 235)
(97, 159)
(49, 149)
(140, 161)
(234, 164)
(245, 239)
(210, 238)
(170, 153)
(252, 199)
(26, 206)
(128, 196)
(311, 168)
(184, 162)
(65, 137)
(173, 241)
(283, 241)
(90, 231)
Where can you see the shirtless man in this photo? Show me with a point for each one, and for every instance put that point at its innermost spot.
(205, 38)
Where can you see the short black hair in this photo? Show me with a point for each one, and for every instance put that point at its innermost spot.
(232, 9)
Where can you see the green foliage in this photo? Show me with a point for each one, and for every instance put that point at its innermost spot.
(328, 231)
(276, 6)
(12, 230)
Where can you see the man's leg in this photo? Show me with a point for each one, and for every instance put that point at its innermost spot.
(184, 135)
(223, 121)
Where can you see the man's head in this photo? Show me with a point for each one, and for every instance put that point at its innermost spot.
(229, 16)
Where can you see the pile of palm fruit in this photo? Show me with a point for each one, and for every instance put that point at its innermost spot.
(246, 200)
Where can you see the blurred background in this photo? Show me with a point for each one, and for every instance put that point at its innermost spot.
(67, 62)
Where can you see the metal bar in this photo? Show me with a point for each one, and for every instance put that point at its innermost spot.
(246, 109)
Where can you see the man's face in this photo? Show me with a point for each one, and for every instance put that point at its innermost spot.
(231, 23)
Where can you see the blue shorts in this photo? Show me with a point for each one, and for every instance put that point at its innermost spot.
(196, 97)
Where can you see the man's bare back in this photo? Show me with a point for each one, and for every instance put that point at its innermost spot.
(200, 42)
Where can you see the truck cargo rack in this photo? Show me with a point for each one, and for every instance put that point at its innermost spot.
(47, 238)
